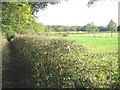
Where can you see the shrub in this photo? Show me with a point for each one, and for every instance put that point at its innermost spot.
(43, 62)
(40, 62)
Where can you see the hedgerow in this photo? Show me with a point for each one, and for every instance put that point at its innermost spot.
(41, 62)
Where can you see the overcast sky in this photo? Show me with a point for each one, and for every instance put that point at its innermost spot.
(76, 12)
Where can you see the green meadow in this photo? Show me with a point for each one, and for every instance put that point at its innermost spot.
(98, 43)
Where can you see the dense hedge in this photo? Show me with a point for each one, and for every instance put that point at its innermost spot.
(40, 62)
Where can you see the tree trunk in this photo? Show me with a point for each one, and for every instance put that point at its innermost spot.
(111, 34)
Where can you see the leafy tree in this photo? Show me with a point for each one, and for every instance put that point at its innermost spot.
(55, 27)
(79, 28)
(35, 26)
(103, 28)
(43, 5)
(65, 28)
(91, 28)
(112, 27)
(83, 28)
(36, 6)
(15, 16)
(49, 29)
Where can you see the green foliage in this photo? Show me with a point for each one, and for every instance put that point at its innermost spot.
(36, 27)
(8, 32)
(91, 28)
(36, 6)
(43, 62)
(40, 62)
(49, 29)
(112, 27)
(61, 28)
(15, 17)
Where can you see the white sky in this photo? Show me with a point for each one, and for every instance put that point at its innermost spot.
(76, 12)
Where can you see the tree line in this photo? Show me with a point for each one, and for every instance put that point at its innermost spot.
(19, 17)
(90, 28)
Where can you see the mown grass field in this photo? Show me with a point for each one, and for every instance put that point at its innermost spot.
(101, 42)
(97, 44)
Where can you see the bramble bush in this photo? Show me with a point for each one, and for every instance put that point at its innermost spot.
(41, 62)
